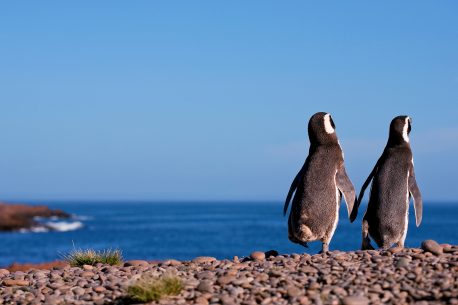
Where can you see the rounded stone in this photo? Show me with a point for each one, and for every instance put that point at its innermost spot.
(227, 300)
(52, 300)
(225, 279)
(205, 286)
(271, 253)
(87, 274)
(432, 246)
(395, 250)
(258, 255)
(99, 289)
(4, 272)
(293, 291)
(201, 301)
(88, 267)
(171, 262)
(136, 263)
(402, 262)
(10, 283)
(355, 300)
(78, 291)
(203, 260)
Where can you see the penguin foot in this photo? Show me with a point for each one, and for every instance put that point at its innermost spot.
(366, 245)
(324, 249)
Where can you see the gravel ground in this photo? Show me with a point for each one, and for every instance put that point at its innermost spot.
(396, 276)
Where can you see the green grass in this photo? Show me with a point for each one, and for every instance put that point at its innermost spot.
(78, 257)
(149, 288)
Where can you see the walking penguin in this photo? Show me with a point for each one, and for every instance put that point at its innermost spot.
(319, 186)
(393, 183)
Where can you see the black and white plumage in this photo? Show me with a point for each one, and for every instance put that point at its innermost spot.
(393, 183)
(319, 186)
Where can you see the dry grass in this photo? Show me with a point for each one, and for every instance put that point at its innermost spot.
(78, 257)
(149, 288)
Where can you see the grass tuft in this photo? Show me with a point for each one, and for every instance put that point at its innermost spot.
(149, 288)
(78, 257)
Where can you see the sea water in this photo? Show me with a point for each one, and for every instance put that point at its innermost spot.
(184, 230)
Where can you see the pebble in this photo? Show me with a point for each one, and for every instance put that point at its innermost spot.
(203, 260)
(201, 301)
(271, 253)
(99, 289)
(136, 263)
(402, 262)
(258, 256)
(395, 250)
(78, 291)
(293, 291)
(4, 272)
(88, 267)
(224, 280)
(355, 300)
(205, 286)
(87, 274)
(11, 282)
(396, 276)
(171, 262)
(432, 246)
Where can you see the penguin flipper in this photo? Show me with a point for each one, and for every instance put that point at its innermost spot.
(346, 188)
(293, 187)
(414, 191)
(354, 213)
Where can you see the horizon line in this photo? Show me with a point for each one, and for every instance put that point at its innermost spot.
(217, 201)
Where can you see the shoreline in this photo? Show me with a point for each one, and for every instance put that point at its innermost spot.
(395, 276)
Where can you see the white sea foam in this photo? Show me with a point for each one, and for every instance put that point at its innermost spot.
(59, 226)
(64, 226)
(36, 229)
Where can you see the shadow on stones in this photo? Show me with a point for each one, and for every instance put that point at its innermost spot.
(122, 300)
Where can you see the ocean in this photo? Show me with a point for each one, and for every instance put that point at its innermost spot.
(184, 230)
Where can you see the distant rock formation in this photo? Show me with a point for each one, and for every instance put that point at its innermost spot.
(41, 266)
(14, 217)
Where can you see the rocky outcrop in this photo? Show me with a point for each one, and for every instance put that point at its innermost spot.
(41, 266)
(15, 217)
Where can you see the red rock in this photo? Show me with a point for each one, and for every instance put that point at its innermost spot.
(99, 289)
(42, 266)
(258, 255)
(16, 283)
(20, 216)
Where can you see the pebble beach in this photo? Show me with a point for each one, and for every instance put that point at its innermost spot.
(426, 275)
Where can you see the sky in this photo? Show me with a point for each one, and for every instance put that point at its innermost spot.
(210, 100)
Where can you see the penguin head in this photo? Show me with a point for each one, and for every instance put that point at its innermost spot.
(321, 129)
(400, 129)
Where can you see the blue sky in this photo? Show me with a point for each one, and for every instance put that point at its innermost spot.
(193, 100)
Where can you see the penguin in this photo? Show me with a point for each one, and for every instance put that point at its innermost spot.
(319, 186)
(393, 184)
